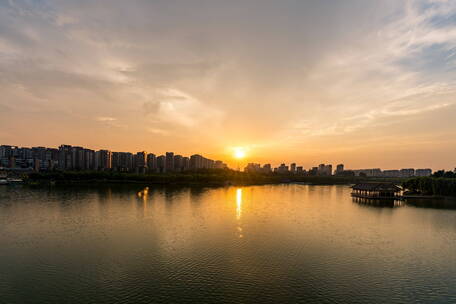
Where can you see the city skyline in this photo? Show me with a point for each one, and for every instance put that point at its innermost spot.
(83, 158)
(369, 83)
(76, 158)
(214, 151)
(228, 155)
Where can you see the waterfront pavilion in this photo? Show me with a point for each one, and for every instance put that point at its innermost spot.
(375, 190)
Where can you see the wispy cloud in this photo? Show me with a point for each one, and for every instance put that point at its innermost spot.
(105, 119)
(389, 73)
(157, 131)
(291, 72)
(174, 106)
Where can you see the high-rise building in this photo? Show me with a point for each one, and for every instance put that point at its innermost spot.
(26, 160)
(51, 159)
(423, 172)
(23, 153)
(65, 157)
(313, 171)
(115, 161)
(37, 165)
(328, 170)
(37, 153)
(89, 159)
(324, 170)
(321, 169)
(77, 158)
(267, 168)
(161, 164)
(220, 165)
(103, 160)
(376, 172)
(407, 172)
(151, 162)
(186, 163)
(6, 151)
(210, 164)
(140, 159)
(12, 162)
(122, 161)
(391, 173)
(252, 168)
(178, 163)
(196, 162)
(339, 169)
(68, 157)
(282, 169)
(169, 161)
(293, 168)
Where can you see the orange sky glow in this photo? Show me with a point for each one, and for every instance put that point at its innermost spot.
(368, 84)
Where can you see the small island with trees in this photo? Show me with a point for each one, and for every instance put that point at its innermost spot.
(441, 183)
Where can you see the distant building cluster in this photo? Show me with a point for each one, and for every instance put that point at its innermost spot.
(327, 170)
(68, 157)
(409, 172)
(322, 169)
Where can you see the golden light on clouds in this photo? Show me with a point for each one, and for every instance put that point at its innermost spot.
(269, 93)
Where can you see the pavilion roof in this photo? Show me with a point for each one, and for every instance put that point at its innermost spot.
(376, 187)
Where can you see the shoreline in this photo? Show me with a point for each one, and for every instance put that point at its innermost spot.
(418, 187)
(201, 181)
(219, 177)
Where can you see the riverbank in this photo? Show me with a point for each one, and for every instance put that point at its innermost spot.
(205, 177)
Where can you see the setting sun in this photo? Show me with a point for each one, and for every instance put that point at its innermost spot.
(228, 151)
(239, 152)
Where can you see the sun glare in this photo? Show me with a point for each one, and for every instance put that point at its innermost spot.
(239, 152)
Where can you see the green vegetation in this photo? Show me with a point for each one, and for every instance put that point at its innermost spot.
(445, 174)
(207, 177)
(431, 185)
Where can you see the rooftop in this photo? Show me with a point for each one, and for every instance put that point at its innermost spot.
(376, 187)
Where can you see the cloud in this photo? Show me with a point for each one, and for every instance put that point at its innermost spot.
(214, 73)
(157, 131)
(105, 119)
(174, 106)
(391, 72)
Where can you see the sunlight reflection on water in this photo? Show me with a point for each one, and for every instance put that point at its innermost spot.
(274, 243)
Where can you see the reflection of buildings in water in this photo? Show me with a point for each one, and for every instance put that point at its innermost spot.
(239, 210)
(105, 195)
(340, 190)
(196, 194)
(173, 193)
(169, 194)
(143, 197)
(144, 194)
(391, 203)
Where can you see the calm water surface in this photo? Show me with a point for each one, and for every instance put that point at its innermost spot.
(260, 244)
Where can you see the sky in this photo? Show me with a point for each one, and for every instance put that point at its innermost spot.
(367, 83)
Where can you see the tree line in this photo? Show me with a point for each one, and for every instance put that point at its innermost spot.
(203, 176)
(444, 174)
(434, 185)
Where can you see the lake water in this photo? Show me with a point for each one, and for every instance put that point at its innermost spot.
(258, 244)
